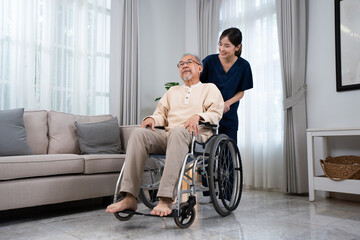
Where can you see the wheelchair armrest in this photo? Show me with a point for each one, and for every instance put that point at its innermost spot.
(213, 127)
(201, 124)
(208, 125)
(200, 148)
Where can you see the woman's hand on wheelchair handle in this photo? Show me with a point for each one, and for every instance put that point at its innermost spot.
(192, 124)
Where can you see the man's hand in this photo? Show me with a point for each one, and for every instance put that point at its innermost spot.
(192, 124)
(148, 122)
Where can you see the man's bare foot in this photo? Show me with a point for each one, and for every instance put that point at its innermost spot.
(163, 208)
(128, 203)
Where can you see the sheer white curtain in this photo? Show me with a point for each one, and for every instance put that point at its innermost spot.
(55, 55)
(260, 113)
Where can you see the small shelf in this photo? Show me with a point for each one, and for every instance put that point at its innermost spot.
(322, 183)
(346, 186)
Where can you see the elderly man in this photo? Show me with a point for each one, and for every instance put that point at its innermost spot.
(179, 111)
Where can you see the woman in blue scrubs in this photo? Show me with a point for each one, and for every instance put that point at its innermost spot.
(231, 74)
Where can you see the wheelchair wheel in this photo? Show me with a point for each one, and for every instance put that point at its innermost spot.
(187, 216)
(225, 175)
(230, 175)
(148, 197)
(151, 179)
(123, 216)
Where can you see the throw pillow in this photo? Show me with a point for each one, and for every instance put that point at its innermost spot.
(63, 137)
(13, 134)
(100, 137)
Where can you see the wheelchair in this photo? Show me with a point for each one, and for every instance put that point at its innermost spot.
(218, 160)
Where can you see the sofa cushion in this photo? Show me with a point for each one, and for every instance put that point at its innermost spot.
(102, 163)
(12, 133)
(15, 167)
(63, 137)
(99, 138)
(37, 130)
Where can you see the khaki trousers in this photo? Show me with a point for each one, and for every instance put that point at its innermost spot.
(144, 141)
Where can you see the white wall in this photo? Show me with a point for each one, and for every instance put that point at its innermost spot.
(162, 42)
(326, 108)
(166, 33)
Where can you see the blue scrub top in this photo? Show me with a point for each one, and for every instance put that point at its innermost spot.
(237, 79)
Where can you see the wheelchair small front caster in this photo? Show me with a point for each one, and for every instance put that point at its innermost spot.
(186, 216)
(124, 215)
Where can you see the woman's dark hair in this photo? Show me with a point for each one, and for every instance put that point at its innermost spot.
(235, 37)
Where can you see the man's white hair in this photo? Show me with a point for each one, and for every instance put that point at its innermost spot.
(195, 56)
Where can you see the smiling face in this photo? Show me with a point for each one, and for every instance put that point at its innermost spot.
(189, 68)
(226, 48)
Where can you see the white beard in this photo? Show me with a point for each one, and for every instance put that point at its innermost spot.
(187, 78)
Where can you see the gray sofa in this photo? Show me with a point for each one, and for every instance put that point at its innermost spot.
(57, 172)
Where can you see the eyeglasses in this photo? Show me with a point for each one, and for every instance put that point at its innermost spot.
(189, 61)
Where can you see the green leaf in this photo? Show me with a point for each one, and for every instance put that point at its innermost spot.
(168, 85)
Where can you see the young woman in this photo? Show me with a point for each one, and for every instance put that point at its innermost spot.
(231, 74)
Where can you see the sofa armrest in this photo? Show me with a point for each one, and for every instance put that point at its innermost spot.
(125, 132)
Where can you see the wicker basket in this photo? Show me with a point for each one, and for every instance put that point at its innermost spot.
(342, 167)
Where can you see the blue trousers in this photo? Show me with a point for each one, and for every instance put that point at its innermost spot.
(232, 133)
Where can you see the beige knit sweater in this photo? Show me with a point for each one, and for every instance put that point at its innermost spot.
(181, 102)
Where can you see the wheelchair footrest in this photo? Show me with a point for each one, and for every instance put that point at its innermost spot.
(172, 214)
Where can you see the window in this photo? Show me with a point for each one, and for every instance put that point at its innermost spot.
(260, 113)
(55, 55)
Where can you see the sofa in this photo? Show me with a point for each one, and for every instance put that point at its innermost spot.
(57, 171)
